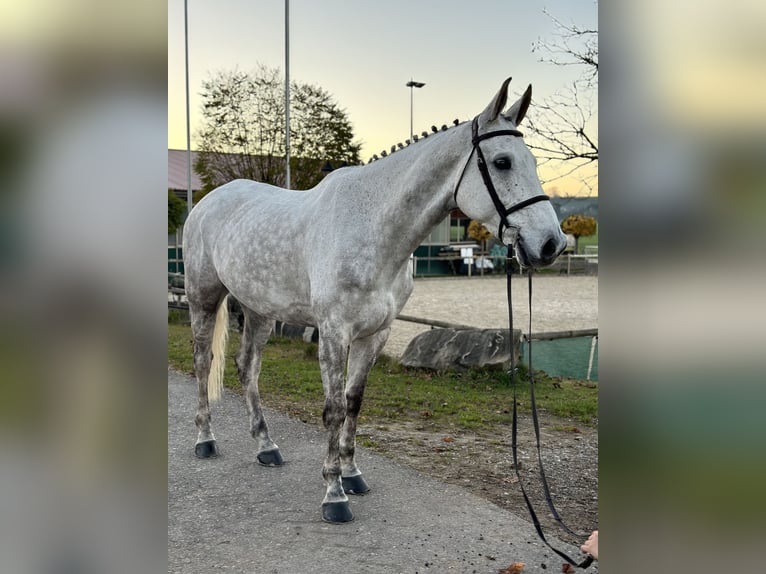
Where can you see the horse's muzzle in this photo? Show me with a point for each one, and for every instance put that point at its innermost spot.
(551, 248)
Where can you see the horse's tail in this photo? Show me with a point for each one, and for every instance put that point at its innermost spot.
(220, 336)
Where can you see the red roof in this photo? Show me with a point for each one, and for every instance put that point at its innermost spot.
(177, 174)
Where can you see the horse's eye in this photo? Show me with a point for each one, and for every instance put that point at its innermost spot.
(502, 163)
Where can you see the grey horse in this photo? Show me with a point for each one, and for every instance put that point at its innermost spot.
(337, 257)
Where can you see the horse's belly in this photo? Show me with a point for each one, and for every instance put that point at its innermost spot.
(284, 297)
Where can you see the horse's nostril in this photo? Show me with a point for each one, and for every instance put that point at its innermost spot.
(550, 249)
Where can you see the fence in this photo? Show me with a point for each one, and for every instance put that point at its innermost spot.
(451, 262)
(422, 266)
(567, 354)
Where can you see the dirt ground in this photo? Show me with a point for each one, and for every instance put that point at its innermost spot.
(484, 464)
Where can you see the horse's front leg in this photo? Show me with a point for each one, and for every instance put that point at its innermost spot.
(362, 357)
(333, 353)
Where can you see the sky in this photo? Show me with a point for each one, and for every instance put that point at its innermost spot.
(364, 52)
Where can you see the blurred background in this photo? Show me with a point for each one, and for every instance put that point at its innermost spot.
(682, 285)
(82, 342)
(83, 164)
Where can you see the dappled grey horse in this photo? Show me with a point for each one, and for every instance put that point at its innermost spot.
(337, 257)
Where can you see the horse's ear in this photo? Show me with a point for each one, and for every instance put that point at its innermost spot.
(518, 110)
(497, 104)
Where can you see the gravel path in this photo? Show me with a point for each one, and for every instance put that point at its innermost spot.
(559, 303)
(231, 514)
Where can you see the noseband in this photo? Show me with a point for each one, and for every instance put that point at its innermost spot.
(502, 211)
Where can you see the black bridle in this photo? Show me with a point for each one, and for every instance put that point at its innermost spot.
(502, 211)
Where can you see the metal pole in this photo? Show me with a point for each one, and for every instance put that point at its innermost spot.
(412, 84)
(188, 122)
(412, 95)
(287, 94)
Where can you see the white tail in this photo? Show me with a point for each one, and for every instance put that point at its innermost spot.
(220, 336)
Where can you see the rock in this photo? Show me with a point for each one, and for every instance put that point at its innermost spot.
(308, 334)
(440, 349)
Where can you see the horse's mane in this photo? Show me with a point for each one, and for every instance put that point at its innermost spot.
(423, 135)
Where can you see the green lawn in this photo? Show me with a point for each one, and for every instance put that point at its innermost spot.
(472, 399)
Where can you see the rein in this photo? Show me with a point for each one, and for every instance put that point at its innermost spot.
(538, 527)
(502, 211)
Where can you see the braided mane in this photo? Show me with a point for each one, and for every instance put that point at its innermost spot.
(416, 138)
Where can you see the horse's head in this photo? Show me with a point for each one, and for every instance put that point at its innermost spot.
(500, 188)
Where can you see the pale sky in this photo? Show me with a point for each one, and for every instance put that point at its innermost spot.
(364, 52)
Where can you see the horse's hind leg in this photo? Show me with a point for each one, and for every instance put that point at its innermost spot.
(255, 333)
(203, 318)
(363, 354)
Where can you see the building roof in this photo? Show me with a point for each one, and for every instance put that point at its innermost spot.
(177, 174)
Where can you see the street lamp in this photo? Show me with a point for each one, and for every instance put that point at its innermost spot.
(412, 84)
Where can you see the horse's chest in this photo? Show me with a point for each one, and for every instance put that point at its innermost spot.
(373, 309)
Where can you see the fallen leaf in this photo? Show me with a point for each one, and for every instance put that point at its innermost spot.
(514, 568)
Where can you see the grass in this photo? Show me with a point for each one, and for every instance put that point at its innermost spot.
(471, 399)
(587, 240)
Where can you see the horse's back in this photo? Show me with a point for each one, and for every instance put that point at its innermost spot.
(239, 207)
(248, 236)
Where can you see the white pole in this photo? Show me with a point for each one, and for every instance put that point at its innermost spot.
(188, 123)
(287, 94)
(593, 342)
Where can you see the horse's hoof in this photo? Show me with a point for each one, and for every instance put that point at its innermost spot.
(207, 449)
(355, 485)
(336, 512)
(270, 458)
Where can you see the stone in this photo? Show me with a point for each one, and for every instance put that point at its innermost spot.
(308, 334)
(441, 349)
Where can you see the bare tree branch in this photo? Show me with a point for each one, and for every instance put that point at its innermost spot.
(564, 124)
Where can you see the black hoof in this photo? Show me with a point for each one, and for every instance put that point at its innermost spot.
(207, 449)
(337, 512)
(270, 458)
(355, 485)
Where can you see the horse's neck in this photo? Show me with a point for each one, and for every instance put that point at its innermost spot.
(419, 182)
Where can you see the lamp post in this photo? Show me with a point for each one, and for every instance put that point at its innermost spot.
(412, 84)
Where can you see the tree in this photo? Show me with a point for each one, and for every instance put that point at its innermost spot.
(579, 226)
(478, 232)
(562, 123)
(243, 130)
(176, 209)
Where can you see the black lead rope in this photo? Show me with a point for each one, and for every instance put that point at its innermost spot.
(589, 559)
(533, 406)
(504, 212)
